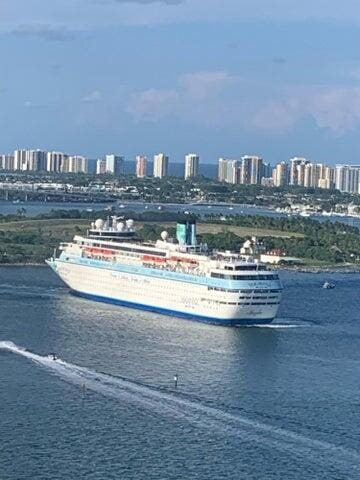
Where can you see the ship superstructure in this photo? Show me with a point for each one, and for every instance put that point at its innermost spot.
(175, 277)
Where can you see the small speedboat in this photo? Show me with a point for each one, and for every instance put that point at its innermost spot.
(328, 286)
(53, 356)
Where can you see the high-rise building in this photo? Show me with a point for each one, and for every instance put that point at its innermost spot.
(307, 175)
(100, 166)
(229, 171)
(347, 178)
(55, 162)
(114, 164)
(246, 165)
(233, 171)
(310, 175)
(35, 160)
(281, 174)
(19, 159)
(7, 162)
(192, 162)
(326, 179)
(256, 170)
(222, 169)
(251, 170)
(296, 173)
(65, 164)
(78, 164)
(161, 165)
(141, 166)
(267, 170)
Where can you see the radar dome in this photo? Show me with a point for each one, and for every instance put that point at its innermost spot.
(99, 223)
(164, 235)
(120, 226)
(129, 223)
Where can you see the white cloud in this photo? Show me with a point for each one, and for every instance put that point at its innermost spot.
(200, 85)
(197, 97)
(333, 108)
(47, 32)
(217, 99)
(150, 105)
(93, 97)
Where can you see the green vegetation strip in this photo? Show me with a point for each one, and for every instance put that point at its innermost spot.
(32, 240)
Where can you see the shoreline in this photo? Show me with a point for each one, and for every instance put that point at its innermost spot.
(331, 269)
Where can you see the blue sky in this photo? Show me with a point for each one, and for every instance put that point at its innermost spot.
(276, 78)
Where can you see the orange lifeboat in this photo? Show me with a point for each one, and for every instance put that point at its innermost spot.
(100, 251)
(153, 258)
(184, 260)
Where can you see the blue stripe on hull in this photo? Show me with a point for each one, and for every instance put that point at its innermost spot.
(165, 311)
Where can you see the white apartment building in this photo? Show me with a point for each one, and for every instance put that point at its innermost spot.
(114, 164)
(100, 166)
(192, 162)
(55, 161)
(161, 165)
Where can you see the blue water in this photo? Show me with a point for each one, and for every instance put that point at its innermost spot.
(36, 208)
(277, 402)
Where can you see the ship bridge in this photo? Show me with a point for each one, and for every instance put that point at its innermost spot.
(113, 230)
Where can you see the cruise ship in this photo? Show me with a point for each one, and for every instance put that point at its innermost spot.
(176, 277)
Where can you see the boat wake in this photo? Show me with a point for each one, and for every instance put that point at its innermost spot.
(196, 411)
(276, 326)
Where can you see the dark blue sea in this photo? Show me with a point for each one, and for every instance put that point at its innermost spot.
(276, 402)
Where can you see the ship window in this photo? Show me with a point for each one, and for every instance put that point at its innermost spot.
(218, 275)
(250, 267)
(228, 290)
(245, 267)
(245, 277)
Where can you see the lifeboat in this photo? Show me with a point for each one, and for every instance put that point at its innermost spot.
(100, 251)
(153, 259)
(184, 260)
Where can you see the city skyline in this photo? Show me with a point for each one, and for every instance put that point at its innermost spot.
(246, 170)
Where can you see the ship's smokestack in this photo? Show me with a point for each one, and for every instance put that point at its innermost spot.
(186, 233)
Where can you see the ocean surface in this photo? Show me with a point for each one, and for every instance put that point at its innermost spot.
(275, 402)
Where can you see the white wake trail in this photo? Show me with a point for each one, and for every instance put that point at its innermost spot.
(276, 326)
(205, 416)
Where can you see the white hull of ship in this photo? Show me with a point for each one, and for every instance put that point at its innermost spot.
(171, 297)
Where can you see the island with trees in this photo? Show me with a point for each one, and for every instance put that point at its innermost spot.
(30, 240)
